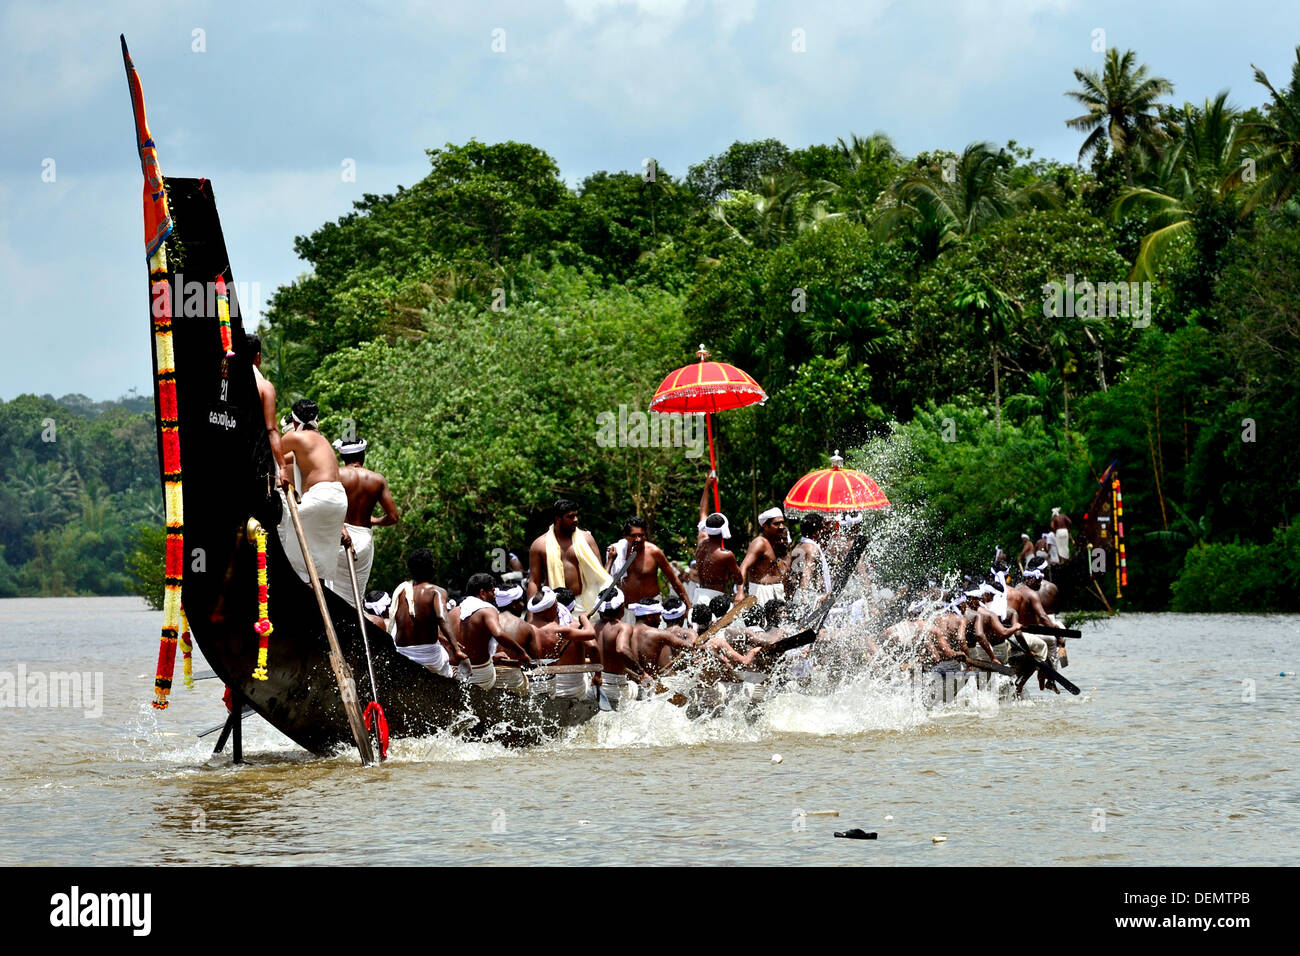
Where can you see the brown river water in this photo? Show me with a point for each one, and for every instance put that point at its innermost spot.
(1181, 750)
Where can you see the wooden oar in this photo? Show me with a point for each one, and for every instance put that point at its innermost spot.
(993, 667)
(732, 613)
(212, 730)
(365, 639)
(1042, 629)
(342, 673)
(1044, 668)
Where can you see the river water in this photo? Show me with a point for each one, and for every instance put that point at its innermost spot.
(1181, 750)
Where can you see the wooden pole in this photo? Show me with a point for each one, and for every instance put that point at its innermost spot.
(713, 463)
(361, 621)
(342, 673)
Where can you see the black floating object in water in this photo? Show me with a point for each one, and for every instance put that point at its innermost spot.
(855, 834)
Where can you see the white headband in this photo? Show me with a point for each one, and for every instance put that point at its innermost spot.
(380, 606)
(675, 613)
(647, 608)
(613, 604)
(1033, 573)
(543, 600)
(508, 596)
(353, 446)
(723, 529)
(769, 514)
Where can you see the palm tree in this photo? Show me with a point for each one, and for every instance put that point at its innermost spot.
(785, 205)
(944, 202)
(994, 310)
(1121, 102)
(1277, 168)
(1194, 179)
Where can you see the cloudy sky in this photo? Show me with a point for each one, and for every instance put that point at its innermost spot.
(269, 100)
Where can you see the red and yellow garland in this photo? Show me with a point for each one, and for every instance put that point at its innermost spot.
(263, 626)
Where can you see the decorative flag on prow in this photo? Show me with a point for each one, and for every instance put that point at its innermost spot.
(157, 229)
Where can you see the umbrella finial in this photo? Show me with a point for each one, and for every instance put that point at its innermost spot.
(702, 352)
(836, 460)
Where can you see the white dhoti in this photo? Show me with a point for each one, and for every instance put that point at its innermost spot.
(363, 547)
(572, 686)
(480, 675)
(1063, 543)
(768, 592)
(512, 679)
(704, 595)
(433, 656)
(615, 686)
(322, 510)
(1037, 646)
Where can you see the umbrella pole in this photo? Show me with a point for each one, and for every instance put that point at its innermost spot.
(713, 462)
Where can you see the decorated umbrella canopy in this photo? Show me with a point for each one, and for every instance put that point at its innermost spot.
(835, 490)
(707, 387)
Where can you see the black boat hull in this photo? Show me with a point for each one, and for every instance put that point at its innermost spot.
(227, 472)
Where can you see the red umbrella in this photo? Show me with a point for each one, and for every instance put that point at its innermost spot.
(707, 387)
(834, 490)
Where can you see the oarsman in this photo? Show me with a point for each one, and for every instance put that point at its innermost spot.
(979, 645)
(567, 556)
(565, 644)
(649, 639)
(418, 618)
(810, 571)
(944, 634)
(510, 609)
(377, 603)
(310, 460)
(481, 635)
(717, 647)
(768, 559)
(716, 566)
(634, 562)
(1026, 551)
(266, 395)
(1042, 595)
(999, 623)
(365, 489)
(1047, 545)
(1061, 530)
(614, 641)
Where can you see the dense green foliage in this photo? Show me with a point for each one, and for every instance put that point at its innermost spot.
(77, 478)
(908, 310)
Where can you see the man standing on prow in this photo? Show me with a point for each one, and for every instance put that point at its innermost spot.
(365, 489)
(768, 559)
(635, 563)
(567, 556)
(419, 615)
(715, 565)
(481, 635)
(324, 502)
(266, 395)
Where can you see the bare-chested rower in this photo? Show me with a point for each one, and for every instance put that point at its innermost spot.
(614, 641)
(642, 560)
(365, 489)
(419, 619)
(324, 503)
(1039, 596)
(649, 639)
(565, 644)
(567, 547)
(716, 567)
(767, 561)
(481, 635)
(809, 577)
